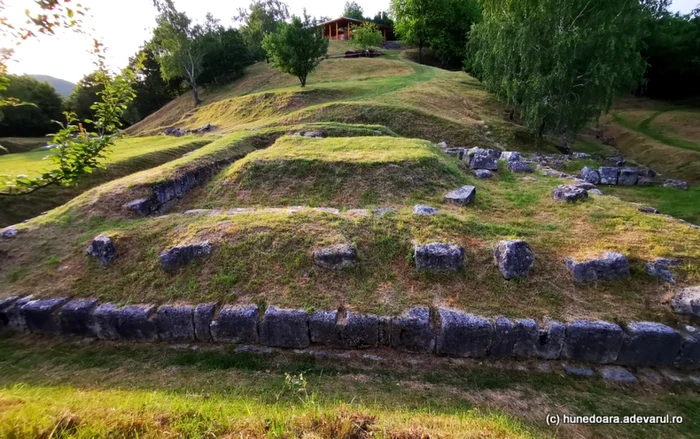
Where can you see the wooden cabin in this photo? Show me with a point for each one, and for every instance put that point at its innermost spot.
(341, 28)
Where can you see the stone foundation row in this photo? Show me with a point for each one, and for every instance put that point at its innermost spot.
(421, 330)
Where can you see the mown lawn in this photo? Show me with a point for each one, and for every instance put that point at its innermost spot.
(58, 389)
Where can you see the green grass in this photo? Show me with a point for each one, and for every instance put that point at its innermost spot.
(22, 144)
(670, 201)
(152, 391)
(661, 133)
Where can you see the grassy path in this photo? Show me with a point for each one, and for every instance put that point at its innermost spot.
(646, 128)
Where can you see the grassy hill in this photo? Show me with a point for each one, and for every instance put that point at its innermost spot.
(63, 87)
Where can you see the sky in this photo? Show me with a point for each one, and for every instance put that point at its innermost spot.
(124, 25)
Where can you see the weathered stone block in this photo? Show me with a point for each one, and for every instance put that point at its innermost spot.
(203, 317)
(142, 206)
(41, 317)
(689, 354)
(648, 209)
(551, 340)
(345, 330)
(677, 184)
(102, 248)
(136, 322)
(569, 193)
(12, 315)
(381, 211)
(8, 232)
(438, 256)
(105, 320)
(483, 173)
(285, 328)
(336, 257)
(618, 374)
(463, 335)
(628, 177)
(513, 258)
(178, 257)
(420, 209)
(527, 338)
(413, 332)
(610, 266)
(76, 317)
(175, 323)
(503, 339)
(385, 330)
(608, 175)
(687, 302)
(578, 370)
(484, 162)
(462, 196)
(661, 268)
(649, 344)
(595, 342)
(517, 166)
(5, 304)
(237, 324)
(590, 175)
(510, 156)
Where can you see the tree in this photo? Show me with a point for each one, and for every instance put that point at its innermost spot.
(225, 53)
(84, 96)
(558, 64)
(412, 19)
(152, 91)
(366, 35)
(448, 29)
(383, 19)
(296, 48)
(35, 119)
(261, 18)
(174, 42)
(353, 10)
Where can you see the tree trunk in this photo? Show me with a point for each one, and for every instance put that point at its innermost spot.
(303, 80)
(541, 131)
(195, 92)
(420, 53)
(511, 114)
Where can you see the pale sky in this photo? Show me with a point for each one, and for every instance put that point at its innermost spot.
(123, 26)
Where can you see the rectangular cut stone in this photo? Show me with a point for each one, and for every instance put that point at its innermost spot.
(76, 317)
(13, 316)
(203, 317)
(344, 330)
(608, 175)
(649, 344)
(628, 177)
(5, 304)
(503, 340)
(236, 324)
(595, 342)
(689, 354)
(438, 256)
(385, 331)
(105, 320)
(285, 328)
(135, 322)
(412, 332)
(463, 335)
(527, 338)
(40, 315)
(175, 323)
(551, 340)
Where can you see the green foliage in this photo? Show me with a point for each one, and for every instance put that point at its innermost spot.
(261, 18)
(382, 18)
(84, 96)
(449, 25)
(411, 21)
(366, 35)
(353, 10)
(296, 48)
(225, 53)
(152, 91)
(559, 65)
(42, 105)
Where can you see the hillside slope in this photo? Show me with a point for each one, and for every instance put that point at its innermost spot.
(63, 87)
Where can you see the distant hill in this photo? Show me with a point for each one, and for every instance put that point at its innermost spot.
(63, 87)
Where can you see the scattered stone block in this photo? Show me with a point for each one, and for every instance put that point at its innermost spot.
(178, 257)
(569, 193)
(510, 156)
(105, 320)
(585, 185)
(514, 258)
(381, 211)
(661, 268)
(314, 134)
(503, 339)
(483, 173)
(102, 248)
(687, 302)
(412, 332)
(610, 266)
(689, 354)
(40, 315)
(593, 342)
(8, 232)
(336, 257)
(135, 322)
(76, 317)
(484, 162)
(647, 209)
(461, 196)
(627, 177)
(581, 371)
(580, 155)
(617, 374)
(142, 206)
(442, 145)
(420, 209)
(463, 335)
(608, 175)
(517, 166)
(649, 344)
(175, 323)
(238, 325)
(527, 339)
(344, 330)
(595, 192)
(677, 184)
(285, 328)
(438, 256)
(456, 152)
(203, 317)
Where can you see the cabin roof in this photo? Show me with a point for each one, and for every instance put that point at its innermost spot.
(353, 20)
